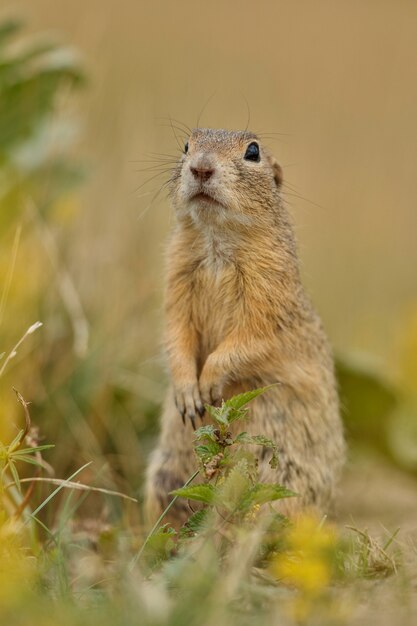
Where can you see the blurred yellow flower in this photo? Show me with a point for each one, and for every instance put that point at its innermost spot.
(309, 574)
(17, 565)
(307, 561)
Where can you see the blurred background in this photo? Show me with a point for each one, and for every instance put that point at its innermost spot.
(91, 96)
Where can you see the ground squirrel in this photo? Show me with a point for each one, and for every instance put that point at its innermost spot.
(237, 318)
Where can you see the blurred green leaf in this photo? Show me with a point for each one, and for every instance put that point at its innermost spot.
(402, 434)
(28, 92)
(263, 493)
(159, 546)
(367, 401)
(201, 493)
(7, 29)
(33, 139)
(195, 523)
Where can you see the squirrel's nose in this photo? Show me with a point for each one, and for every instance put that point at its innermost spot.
(202, 173)
(202, 166)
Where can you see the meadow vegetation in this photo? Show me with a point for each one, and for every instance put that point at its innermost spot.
(73, 546)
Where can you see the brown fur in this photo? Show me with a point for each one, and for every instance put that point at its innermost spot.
(238, 318)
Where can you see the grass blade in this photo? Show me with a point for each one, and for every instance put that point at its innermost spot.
(56, 491)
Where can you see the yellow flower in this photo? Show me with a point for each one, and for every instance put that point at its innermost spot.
(308, 573)
(309, 535)
(307, 561)
(253, 513)
(17, 567)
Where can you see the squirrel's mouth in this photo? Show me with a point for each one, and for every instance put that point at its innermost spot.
(202, 196)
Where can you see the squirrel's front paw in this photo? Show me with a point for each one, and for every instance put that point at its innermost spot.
(188, 401)
(211, 386)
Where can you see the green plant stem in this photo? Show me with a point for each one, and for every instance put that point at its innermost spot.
(159, 520)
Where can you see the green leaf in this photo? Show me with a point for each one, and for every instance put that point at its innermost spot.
(260, 440)
(30, 80)
(160, 546)
(218, 414)
(201, 493)
(16, 442)
(235, 405)
(205, 431)
(25, 458)
(15, 476)
(239, 401)
(207, 450)
(9, 28)
(46, 446)
(263, 493)
(368, 401)
(56, 491)
(195, 523)
(235, 486)
(38, 49)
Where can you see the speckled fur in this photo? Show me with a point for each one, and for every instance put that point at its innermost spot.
(237, 317)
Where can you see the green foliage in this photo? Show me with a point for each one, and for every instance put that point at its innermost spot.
(368, 401)
(33, 139)
(160, 547)
(226, 554)
(378, 414)
(235, 408)
(263, 493)
(260, 440)
(200, 493)
(230, 491)
(195, 524)
(29, 81)
(229, 540)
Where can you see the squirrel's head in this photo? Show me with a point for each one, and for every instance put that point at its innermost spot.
(225, 177)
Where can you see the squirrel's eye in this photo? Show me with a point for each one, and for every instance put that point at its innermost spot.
(252, 152)
(186, 148)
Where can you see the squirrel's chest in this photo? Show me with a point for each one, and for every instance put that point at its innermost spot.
(215, 301)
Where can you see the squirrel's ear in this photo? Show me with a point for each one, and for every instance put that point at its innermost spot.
(277, 171)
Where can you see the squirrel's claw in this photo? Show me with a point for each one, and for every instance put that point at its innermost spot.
(200, 409)
(188, 403)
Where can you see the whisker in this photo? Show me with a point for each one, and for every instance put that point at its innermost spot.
(272, 134)
(173, 127)
(148, 181)
(296, 195)
(205, 105)
(161, 161)
(158, 154)
(290, 164)
(173, 119)
(290, 185)
(247, 111)
(162, 188)
(178, 128)
(142, 195)
(156, 168)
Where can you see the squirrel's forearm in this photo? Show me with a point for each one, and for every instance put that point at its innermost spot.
(181, 342)
(238, 357)
(181, 348)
